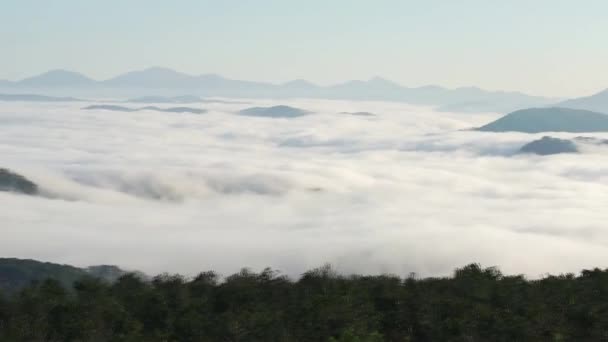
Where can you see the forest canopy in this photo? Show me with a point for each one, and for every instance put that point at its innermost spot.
(474, 304)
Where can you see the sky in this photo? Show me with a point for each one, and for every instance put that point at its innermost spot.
(543, 47)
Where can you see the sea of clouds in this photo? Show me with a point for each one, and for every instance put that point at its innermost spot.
(407, 190)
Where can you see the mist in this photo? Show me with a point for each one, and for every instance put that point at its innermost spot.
(406, 190)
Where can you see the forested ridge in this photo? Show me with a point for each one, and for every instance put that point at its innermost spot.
(474, 304)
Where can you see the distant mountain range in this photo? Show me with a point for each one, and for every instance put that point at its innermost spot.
(162, 82)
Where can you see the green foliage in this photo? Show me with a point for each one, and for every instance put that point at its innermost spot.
(15, 274)
(475, 304)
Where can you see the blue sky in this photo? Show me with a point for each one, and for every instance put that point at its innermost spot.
(545, 47)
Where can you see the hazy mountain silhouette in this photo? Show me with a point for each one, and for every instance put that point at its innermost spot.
(300, 85)
(175, 110)
(116, 108)
(274, 112)
(152, 78)
(57, 78)
(179, 99)
(36, 98)
(549, 145)
(16, 274)
(374, 89)
(597, 102)
(165, 99)
(536, 120)
(163, 82)
(164, 78)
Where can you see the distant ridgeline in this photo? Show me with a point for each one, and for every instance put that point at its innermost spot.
(597, 102)
(158, 82)
(473, 304)
(179, 99)
(152, 85)
(267, 112)
(117, 108)
(16, 274)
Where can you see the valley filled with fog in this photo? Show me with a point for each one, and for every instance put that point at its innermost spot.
(370, 187)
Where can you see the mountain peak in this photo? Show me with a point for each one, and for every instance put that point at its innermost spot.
(430, 87)
(156, 77)
(211, 77)
(159, 70)
(57, 77)
(299, 83)
(380, 81)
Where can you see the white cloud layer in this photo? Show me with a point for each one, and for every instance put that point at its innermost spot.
(407, 190)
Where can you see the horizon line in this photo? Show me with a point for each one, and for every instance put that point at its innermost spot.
(370, 79)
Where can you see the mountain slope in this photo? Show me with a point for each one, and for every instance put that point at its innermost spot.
(57, 78)
(549, 145)
(155, 77)
(13, 182)
(16, 274)
(597, 102)
(536, 120)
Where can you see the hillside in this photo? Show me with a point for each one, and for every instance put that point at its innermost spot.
(16, 274)
(548, 146)
(472, 304)
(597, 102)
(13, 182)
(537, 120)
(57, 78)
